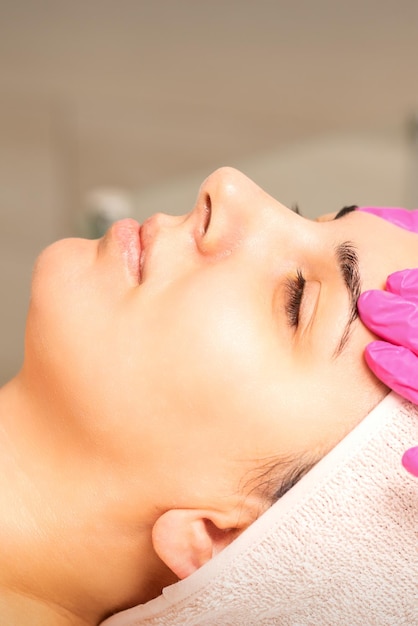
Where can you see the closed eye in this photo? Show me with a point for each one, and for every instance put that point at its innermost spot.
(294, 293)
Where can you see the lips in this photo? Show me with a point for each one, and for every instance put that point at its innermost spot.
(127, 236)
(141, 256)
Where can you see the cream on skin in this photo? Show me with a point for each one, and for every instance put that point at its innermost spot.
(132, 436)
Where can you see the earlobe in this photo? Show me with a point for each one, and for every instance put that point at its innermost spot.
(185, 539)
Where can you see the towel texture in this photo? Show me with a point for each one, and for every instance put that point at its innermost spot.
(340, 548)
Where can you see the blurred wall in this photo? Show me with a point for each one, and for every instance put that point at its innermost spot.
(320, 175)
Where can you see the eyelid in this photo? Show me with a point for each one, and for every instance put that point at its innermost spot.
(309, 306)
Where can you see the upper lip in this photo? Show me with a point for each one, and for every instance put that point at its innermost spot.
(146, 236)
(141, 255)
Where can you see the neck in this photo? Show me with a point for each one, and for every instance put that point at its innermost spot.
(18, 608)
(70, 552)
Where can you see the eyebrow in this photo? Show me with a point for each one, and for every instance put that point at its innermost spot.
(345, 211)
(348, 264)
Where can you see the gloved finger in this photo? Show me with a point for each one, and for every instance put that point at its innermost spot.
(404, 283)
(410, 461)
(396, 366)
(401, 217)
(391, 317)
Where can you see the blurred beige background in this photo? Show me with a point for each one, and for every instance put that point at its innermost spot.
(311, 99)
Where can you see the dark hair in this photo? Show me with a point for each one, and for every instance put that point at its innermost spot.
(291, 477)
(278, 475)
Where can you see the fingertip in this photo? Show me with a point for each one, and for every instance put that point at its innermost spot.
(376, 349)
(373, 297)
(403, 282)
(410, 461)
(395, 278)
(363, 298)
(373, 355)
(379, 358)
(366, 301)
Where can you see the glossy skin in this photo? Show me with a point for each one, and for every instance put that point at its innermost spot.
(169, 394)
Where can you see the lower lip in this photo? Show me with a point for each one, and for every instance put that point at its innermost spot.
(126, 233)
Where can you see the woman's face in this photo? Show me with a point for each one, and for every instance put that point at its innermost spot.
(233, 343)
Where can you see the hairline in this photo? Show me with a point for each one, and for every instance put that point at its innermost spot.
(278, 474)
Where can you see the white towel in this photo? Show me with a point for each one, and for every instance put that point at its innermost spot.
(340, 548)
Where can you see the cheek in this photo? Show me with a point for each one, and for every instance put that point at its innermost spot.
(199, 353)
(341, 393)
(214, 327)
(218, 359)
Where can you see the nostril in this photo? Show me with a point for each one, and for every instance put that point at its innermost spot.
(207, 213)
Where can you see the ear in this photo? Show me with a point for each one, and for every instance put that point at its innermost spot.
(185, 539)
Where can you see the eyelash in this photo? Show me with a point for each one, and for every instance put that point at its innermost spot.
(295, 288)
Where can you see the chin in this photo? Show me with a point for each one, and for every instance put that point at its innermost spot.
(59, 285)
(61, 259)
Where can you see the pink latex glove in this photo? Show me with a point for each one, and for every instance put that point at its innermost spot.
(408, 220)
(393, 316)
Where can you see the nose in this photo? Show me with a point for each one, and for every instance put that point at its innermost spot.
(230, 201)
(228, 189)
(232, 217)
(241, 212)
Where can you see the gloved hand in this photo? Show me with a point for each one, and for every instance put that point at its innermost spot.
(408, 220)
(393, 316)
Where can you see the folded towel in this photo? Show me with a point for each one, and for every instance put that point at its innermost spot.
(340, 548)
